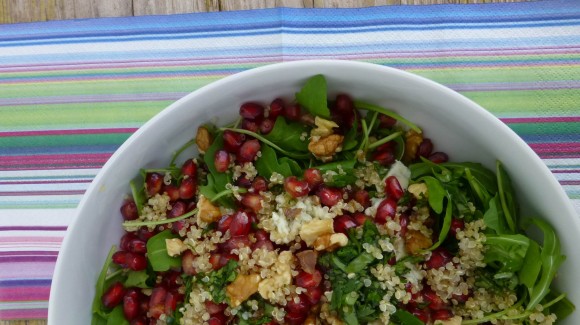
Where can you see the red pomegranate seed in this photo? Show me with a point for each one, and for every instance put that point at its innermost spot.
(224, 223)
(298, 305)
(438, 157)
(127, 237)
(113, 296)
(263, 244)
(307, 280)
(344, 104)
(425, 148)
(225, 258)
(363, 198)
(461, 298)
(250, 125)
(252, 201)
(422, 314)
(137, 246)
(214, 260)
(131, 304)
(136, 262)
(129, 210)
(386, 121)
(172, 280)
(236, 242)
(266, 126)
(276, 108)
(295, 318)
(313, 177)
(187, 262)
(251, 111)
(188, 188)
(177, 209)
(387, 146)
(404, 222)
(233, 141)
(393, 188)
(261, 234)
(144, 233)
(259, 184)
(140, 321)
(172, 191)
(171, 301)
(292, 112)
(217, 319)
(386, 210)
(295, 187)
(456, 225)
(243, 181)
(439, 257)
(213, 308)
(153, 183)
(435, 302)
(157, 302)
(384, 158)
(343, 223)
(248, 151)
(241, 224)
(441, 314)
(221, 161)
(329, 196)
(120, 258)
(360, 218)
(189, 168)
(314, 295)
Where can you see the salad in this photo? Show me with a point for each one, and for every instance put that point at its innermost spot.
(320, 211)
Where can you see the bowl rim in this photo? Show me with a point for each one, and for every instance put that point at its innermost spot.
(59, 274)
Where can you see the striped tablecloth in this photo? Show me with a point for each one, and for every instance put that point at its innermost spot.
(71, 92)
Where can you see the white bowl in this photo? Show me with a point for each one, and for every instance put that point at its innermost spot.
(457, 125)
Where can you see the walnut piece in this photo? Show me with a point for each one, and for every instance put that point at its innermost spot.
(412, 142)
(324, 147)
(415, 242)
(174, 246)
(314, 229)
(203, 139)
(207, 212)
(323, 127)
(330, 242)
(242, 288)
(456, 320)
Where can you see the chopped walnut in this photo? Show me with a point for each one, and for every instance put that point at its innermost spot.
(418, 190)
(415, 241)
(174, 246)
(207, 212)
(323, 127)
(316, 228)
(456, 320)
(311, 320)
(324, 147)
(330, 242)
(242, 288)
(203, 139)
(412, 142)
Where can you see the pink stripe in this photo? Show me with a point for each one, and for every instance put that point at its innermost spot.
(46, 182)
(35, 193)
(29, 239)
(565, 171)
(12, 314)
(566, 182)
(24, 293)
(32, 162)
(546, 119)
(563, 147)
(66, 132)
(27, 270)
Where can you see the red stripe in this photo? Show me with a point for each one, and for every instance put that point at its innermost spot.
(66, 132)
(562, 147)
(24, 293)
(25, 162)
(11, 314)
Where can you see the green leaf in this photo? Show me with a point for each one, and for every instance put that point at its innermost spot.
(402, 316)
(445, 226)
(117, 317)
(100, 286)
(289, 135)
(342, 180)
(507, 197)
(494, 218)
(507, 250)
(269, 163)
(138, 192)
(528, 274)
(562, 308)
(294, 166)
(157, 252)
(359, 263)
(436, 193)
(480, 191)
(219, 280)
(401, 268)
(216, 181)
(381, 110)
(312, 96)
(350, 138)
(137, 279)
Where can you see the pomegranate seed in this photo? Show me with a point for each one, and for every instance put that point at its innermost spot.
(177, 209)
(384, 158)
(187, 262)
(225, 258)
(214, 260)
(294, 318)
(129, 210)
(343, 223)
(189, 168)
(263, 244)
(386, 209)
(120, 258)
(140, 321)
(360, 218)
(261, 234)
(248, 151)
(251, 111)
(241, 224)
(252, 201)
(295, 187)
(221, 161)
(171, 301)
(172, 191)
(329, 196)
(387, 146)
(250, 125)
(276, 108)
(392, 260)
(224, 223)
(136, 262)
(425, 148)
(188, 188)
(144, 233)
(172, 280)
(393, 188)
(266, 126)
(344, 104)
(236, 242)
(439, 257)
(153, 183)
(386, 121)
(217, 319)
(127, 237)
(435, 302)
(137, 246)
(113, 296)
(422, 314)
(441, 314)
(456, 225)
(292, 112)
(298, 305)
(404, 222)
(244, 182)
(213, 308)
(307, 280)
(313, 177)
(363, 198)
(233, 141)
(438, 157)
(157, 302)
(314, 295)
(259, 184)
(461, 298)
(131, 306)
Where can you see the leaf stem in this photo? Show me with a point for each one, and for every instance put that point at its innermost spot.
(268, 142)
(180, 150)
(378, 109)
(112, 275)
(227, 192)
(364, 142)
(385, 139)
(159, 222)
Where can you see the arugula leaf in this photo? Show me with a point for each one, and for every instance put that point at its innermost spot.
(480, 191)
(137, 279)
(312, 96)
(494, 218)
(563, 308)
(117, 317)
(436, 193)
(287, 135)
(157, 252)
(402, 316)
(381, 110)
(138, 192)
(507, 197)
(445, 226)
(100, 286)
(507, 250)
(334, 166)
(269, 163)
(350, 138)
(528, 274)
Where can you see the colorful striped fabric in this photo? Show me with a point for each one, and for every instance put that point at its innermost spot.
(71, 92)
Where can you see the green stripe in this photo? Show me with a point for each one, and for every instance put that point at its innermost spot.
(64, 140)
(546, 128)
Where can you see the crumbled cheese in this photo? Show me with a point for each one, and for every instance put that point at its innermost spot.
(401, 172)
(174, 246)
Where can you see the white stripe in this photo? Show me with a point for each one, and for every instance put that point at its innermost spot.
(37, 217)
